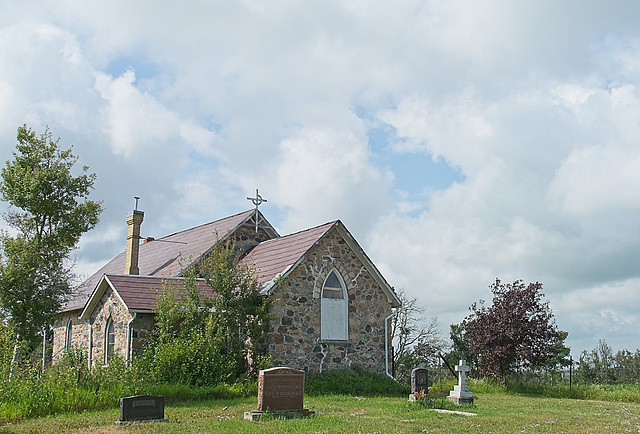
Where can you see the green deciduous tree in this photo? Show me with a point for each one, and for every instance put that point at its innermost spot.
(517, 331)
(49, 211)
(460, 347)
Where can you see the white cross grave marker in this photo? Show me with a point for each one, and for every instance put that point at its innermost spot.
(462, 370)
(461, 393)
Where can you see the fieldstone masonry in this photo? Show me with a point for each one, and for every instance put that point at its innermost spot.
(295, 340)
(109, 307)
(79, 333)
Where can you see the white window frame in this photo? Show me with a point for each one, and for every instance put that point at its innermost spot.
(108, 353)
(68, 335)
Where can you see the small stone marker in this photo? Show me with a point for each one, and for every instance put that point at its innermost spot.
(149, 408)
(419, 380)
(419, 384)
(460, 393)
(280, 392)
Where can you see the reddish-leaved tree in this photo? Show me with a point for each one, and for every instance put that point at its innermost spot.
(517, 331)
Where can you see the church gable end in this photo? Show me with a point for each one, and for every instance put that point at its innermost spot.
(109, 308)
(298, 338)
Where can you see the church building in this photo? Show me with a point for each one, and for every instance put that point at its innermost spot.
(330, 309)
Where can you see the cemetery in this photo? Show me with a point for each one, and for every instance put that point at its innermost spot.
(495, 410)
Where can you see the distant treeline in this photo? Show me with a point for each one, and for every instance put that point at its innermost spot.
(601, 366)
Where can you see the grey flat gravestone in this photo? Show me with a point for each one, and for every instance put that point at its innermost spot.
(147, 408)
(461, 393)
(419, 380)
(280, 392)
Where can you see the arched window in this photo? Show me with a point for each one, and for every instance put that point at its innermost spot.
(68, 335)
(334, 309)
(109, 341)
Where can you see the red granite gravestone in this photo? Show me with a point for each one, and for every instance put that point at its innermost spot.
(281, 389)
(280, 392)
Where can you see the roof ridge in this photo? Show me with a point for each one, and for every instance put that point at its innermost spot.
(207, 223)
(145, 276)
(283, 237)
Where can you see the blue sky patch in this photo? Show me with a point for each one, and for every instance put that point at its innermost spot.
(143, 68)
(414, 172)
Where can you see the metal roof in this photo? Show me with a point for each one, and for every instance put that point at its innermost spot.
(166, 256)
(273, 257)
(277, 257)
(138, 293)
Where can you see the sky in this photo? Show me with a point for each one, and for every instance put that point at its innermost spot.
(459, 141)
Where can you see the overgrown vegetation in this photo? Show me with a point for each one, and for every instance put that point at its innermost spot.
(203, 338)
(353, 381)
(70, 386)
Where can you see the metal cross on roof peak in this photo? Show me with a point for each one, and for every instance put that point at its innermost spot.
(257, 201)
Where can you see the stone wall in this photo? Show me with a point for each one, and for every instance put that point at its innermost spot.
(246, 237)
(79, 333)
(294, 337)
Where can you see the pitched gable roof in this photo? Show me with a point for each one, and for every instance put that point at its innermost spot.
(276, 258)
(137, 293)
(273, 257)
(169, 255)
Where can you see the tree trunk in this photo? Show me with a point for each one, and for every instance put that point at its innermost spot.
(14, 358)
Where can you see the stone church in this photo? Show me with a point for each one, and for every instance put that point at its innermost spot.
(331, 307)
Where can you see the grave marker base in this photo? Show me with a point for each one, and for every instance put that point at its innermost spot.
(461, 400)
(131, 422)
(285, 414)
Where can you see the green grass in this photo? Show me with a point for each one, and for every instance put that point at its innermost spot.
(497, 411)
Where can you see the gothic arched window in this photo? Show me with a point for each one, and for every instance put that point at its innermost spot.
(334, 309)
(109, 341)
(68, 335)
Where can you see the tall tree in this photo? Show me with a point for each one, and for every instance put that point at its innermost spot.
(49, 210)
(517, 331)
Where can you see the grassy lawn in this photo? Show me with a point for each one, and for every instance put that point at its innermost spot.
(496, 412)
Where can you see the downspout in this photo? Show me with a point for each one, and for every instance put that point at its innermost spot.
(90, 349)
(44, 347)
(129, 338)
(386, 342)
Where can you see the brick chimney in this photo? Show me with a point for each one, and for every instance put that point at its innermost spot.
(134, 221)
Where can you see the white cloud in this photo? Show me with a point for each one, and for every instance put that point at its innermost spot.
(325, 174)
